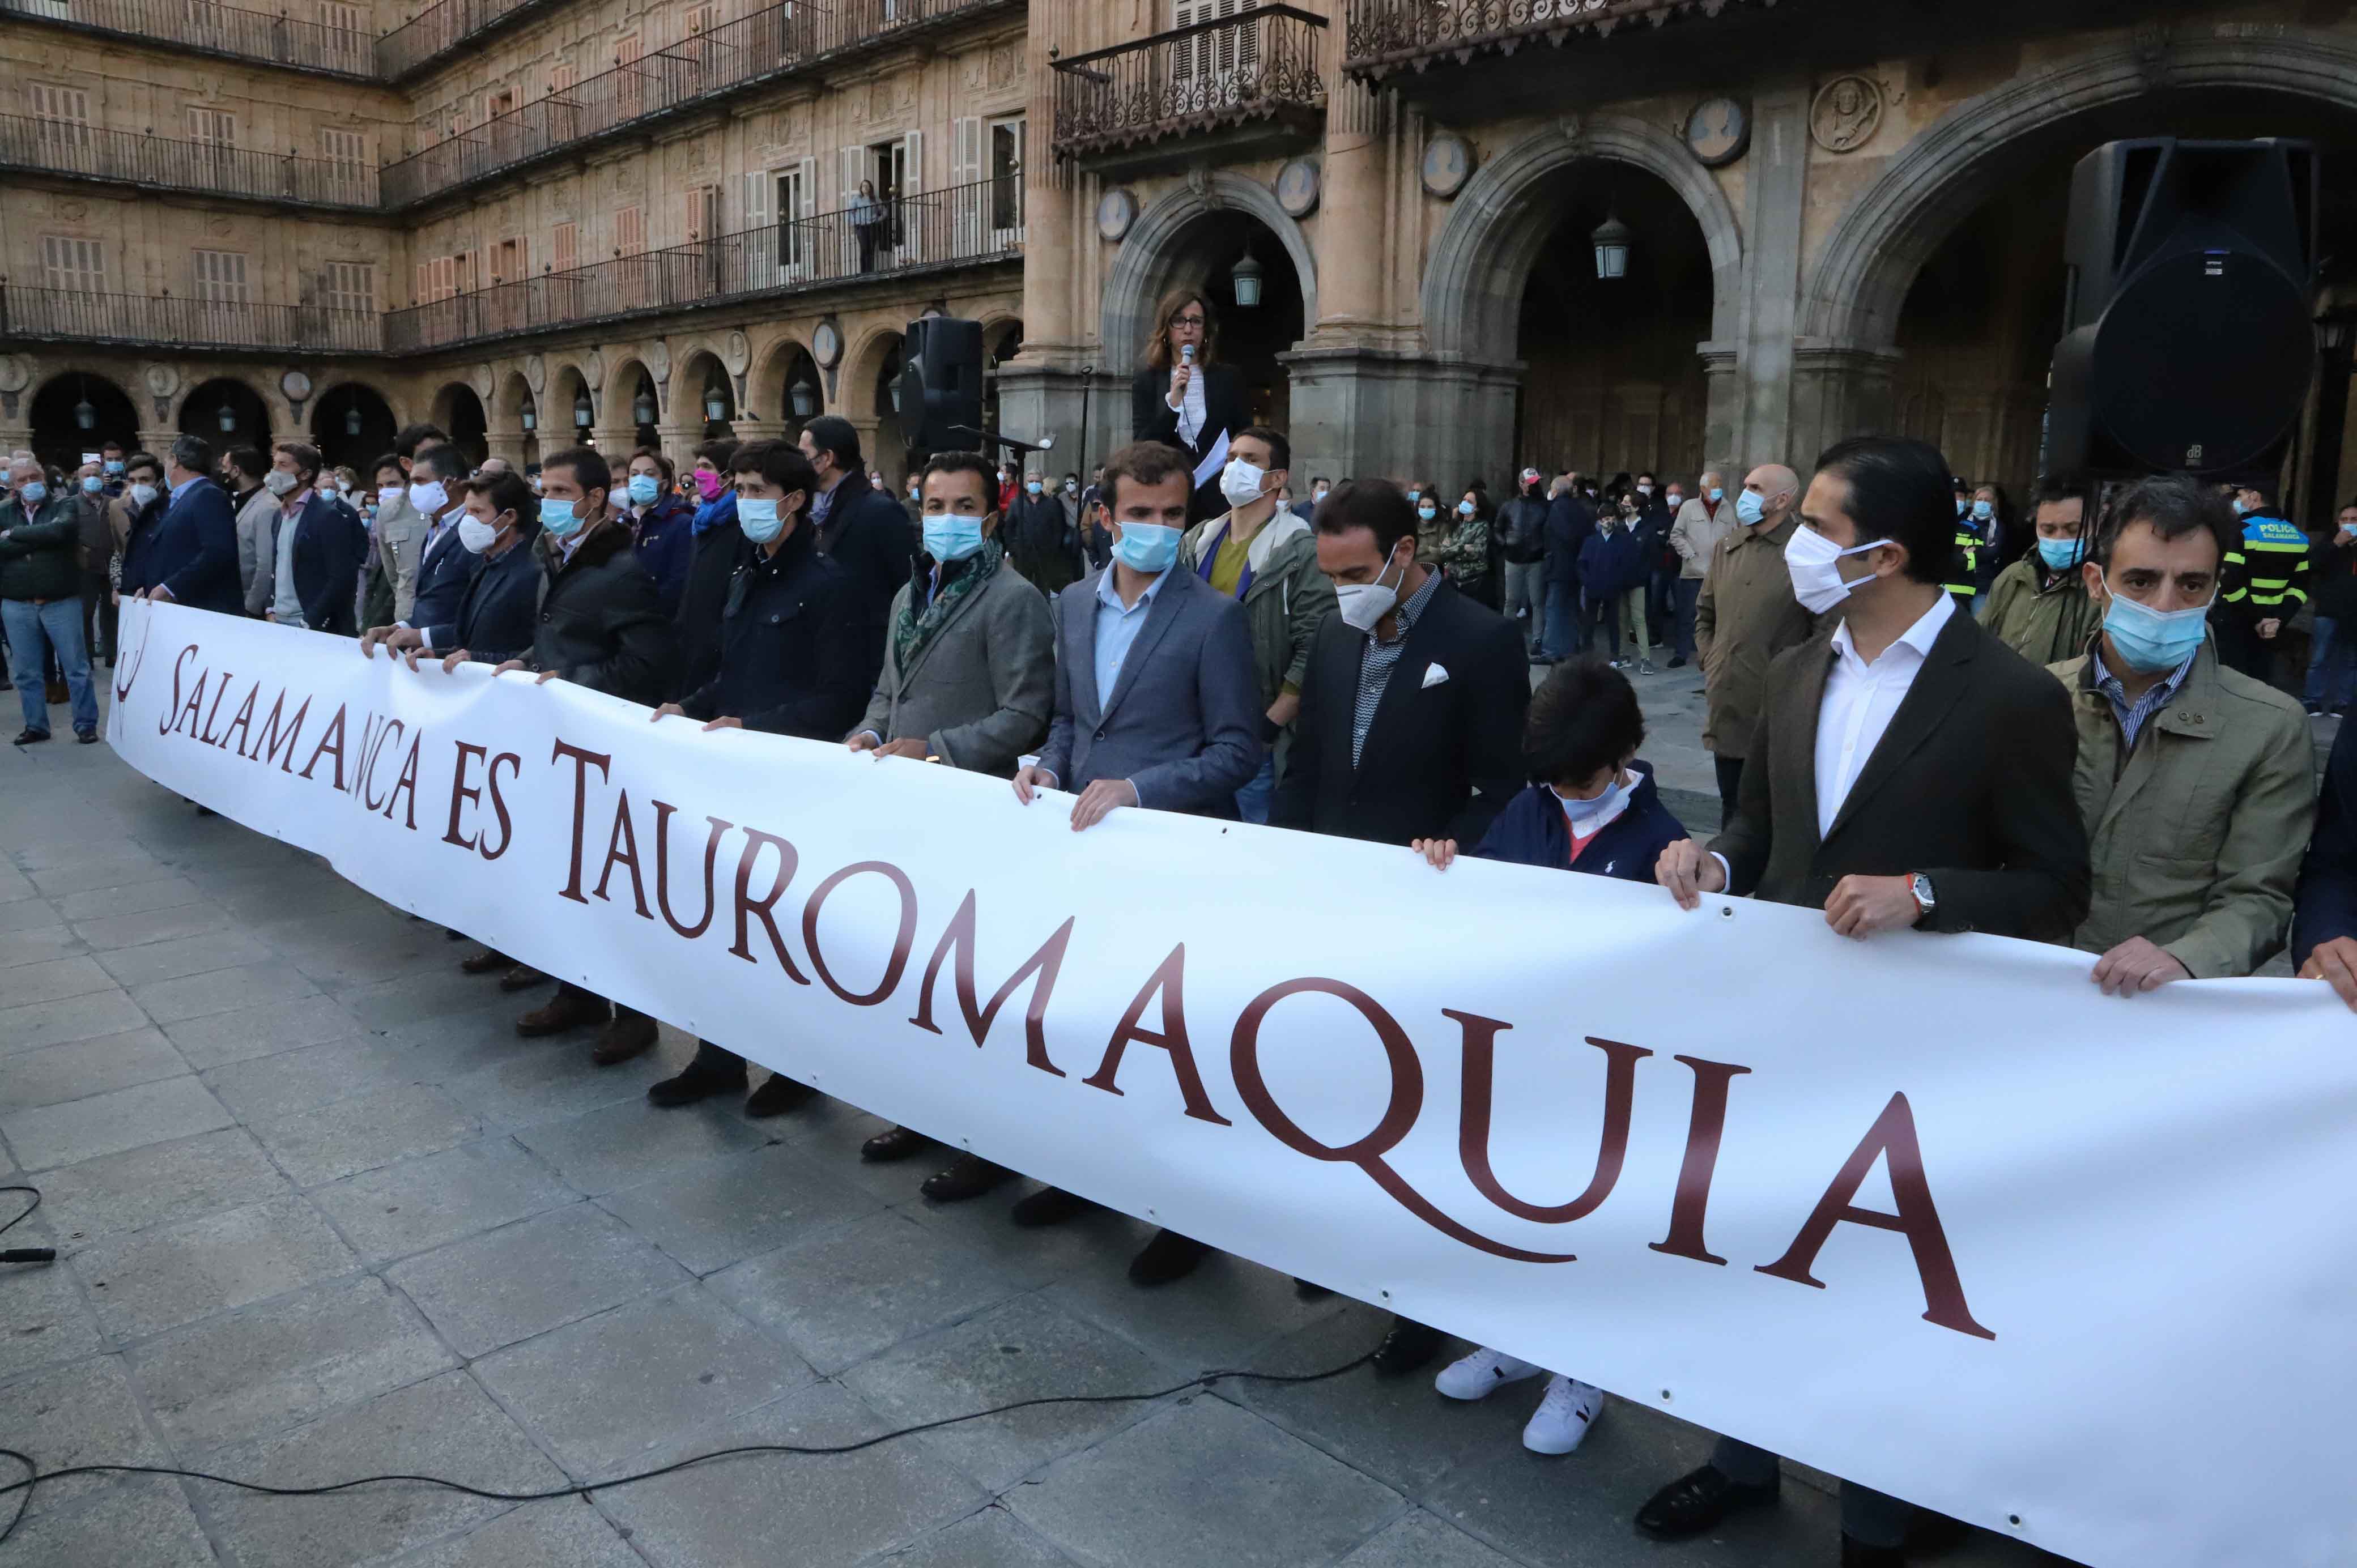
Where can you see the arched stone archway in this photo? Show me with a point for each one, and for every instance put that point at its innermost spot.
(561, 412)
(1473, 280)
(1152, 258)
(56, 409)
(697, 376)
(352, 423)
(458, 410)
(216, 386)
(227, 411)
(768, 386)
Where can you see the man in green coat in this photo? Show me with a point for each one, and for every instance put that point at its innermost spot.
(40, 598)
(2039, 607)
(2194, 780)
(1267, 558)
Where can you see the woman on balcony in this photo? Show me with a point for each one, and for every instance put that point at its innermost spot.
(868, 223)
(1183, 398)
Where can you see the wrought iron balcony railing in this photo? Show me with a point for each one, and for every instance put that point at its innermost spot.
(767, 44)
(213, 29)
(963, 225)
(440, 29)
(89, 152)
(1383, 36)
(1260, 65)
(155, 322)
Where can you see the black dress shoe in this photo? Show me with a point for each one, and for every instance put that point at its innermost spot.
(970, 1176)
(1048, 1206)
(523, 977)
(31, 736)
(893, 1143)
(777, 1096)
(1408, 1346)
(1679, 663)
(1859, 1554)
(85, 737)
(484, 963)
(1170, 1256)
(701, 1080)
(1697, 1501)
(1310, 1290)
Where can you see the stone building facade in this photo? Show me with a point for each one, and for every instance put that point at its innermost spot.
(611, 218)
(633, 219)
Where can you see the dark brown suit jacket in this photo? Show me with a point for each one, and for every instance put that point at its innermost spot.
(1970, 784)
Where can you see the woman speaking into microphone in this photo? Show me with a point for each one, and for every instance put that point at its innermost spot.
(1185, 399)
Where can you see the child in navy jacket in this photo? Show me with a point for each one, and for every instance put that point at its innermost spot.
(1594, 810)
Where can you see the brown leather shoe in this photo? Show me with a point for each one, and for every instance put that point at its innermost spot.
(484, 963)
(570, 1009)
(523, 977)
(629, 1035)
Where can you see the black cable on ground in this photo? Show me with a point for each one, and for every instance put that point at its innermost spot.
(35, 1475)
(24, 1254)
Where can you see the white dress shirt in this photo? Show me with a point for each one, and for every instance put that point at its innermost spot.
(1190, 409)
(1859, 700)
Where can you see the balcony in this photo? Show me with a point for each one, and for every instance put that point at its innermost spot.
(416, 45)
(152, 324)
(1384, 37)
(964, 226)
(691, 75)
(205, 28)
(1250, 83)
(159, 163)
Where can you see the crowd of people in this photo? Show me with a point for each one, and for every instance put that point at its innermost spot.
(2081, 746)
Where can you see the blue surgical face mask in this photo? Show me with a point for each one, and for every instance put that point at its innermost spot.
(1415, 495)
(1145, 546)
(34, 493)
(91, 484)
(1750, 509)
(1716, 495)
(114, 466)
(645, 488)
(2149, 641)
(1427, 514)
(760, 520)
(2242, 506)
(559, 518)
(1464, 509)
(952, 536)
(2060, 553)
(1032, 486)
(1582, 814)
(1982, 509)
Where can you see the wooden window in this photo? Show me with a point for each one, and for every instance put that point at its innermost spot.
(347, 149)
(213, 128)
(349, 285)
(561, 77)
(564, 246)
(76, 264)
(701, 214)
(630, 83)
(498, 103)
(508, 261)
(62, 112)
(220, 276)
(341, 17)
(1006, 143)
(699, 21)
(630, 231)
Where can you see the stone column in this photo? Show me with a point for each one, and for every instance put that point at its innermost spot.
(758, 429)
(1723, 413)
(1776, 174)
(1838, 390)
(1363, 412)
(679, 443)
(615, 444)
(156, 443)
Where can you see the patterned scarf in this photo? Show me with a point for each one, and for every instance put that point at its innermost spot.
(913, 630)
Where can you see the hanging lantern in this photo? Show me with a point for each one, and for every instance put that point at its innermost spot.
(85, 417)
(806, 400)
(1245, 280)
(352, 421)
(715, 405)
(895, 397)
(228, 417)
(642, 408)
(582, 412)
(531, 416)
(1612, 238)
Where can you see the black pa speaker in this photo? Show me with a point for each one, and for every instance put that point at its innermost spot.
(941, 385)
(2187, 338)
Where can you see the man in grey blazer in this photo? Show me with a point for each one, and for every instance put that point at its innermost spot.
(969, 678)
(1156, 705)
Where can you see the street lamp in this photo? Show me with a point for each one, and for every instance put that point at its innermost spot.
(1611, 238)
(531, 416)
(352, 421)
(715, 405)
(642, 407)
(228, 418)
(805, 398)
(85, 417)
(2332, 334)
(582, 412)
(1245, 280)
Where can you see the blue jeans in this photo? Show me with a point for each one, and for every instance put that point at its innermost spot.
(33, 631)
(1252, 800)
(1565, 635)
(1689, 595)
(2329, 674)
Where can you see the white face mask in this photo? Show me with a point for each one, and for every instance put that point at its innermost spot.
(1364, 603)
(1812, 561)
(388, 494)
(1645, 490)
(476, 534)
(428, 498)
(143, 494)
(278, 482)
(1240, 482)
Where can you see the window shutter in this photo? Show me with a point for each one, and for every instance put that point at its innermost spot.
(809, 189)
(756, 198)
(913, 177)
(564, 246)
(853, 160)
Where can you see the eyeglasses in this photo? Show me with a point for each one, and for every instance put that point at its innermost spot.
(1185, 321)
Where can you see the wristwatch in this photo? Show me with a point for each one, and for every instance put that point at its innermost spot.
(1921, 887)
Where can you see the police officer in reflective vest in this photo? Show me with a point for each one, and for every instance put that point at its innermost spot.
(1964, 575)
(2262, 586)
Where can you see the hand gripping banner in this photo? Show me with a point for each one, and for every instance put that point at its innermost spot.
(1930, 1213)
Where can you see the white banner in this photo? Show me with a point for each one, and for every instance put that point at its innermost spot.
(1928, 1212)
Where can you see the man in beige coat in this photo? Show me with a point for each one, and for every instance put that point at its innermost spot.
(2195, 781)
(1745, 615)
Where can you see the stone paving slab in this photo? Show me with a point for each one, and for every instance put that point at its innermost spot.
(323, 1212)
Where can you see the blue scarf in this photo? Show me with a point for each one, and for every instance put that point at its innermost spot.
(713, 513)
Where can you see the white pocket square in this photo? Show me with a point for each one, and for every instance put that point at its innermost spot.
(1433, 676)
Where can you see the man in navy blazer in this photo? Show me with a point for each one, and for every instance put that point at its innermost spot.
(191, 555)
(324, 543)
(436, 494)
(1156, 705)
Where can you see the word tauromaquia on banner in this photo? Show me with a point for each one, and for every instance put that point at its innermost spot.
(1918, 1179)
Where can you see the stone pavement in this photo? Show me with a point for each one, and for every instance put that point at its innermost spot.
(322, 1214)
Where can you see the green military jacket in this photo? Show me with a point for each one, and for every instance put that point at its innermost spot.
(2044, 624)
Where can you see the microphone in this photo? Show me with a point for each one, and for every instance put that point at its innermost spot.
(1187, 353)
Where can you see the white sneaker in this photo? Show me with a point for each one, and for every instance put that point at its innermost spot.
(1560, 1424)
(1474, 1377)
